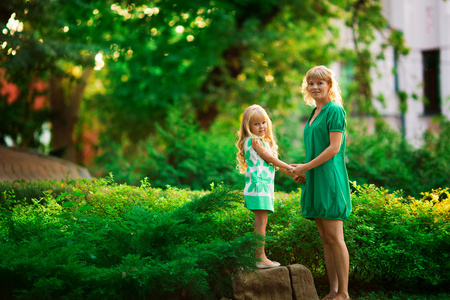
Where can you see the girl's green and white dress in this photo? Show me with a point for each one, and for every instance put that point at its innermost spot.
(259, 179)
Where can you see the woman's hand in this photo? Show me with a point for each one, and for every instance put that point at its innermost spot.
(299, 178)
(299, 169)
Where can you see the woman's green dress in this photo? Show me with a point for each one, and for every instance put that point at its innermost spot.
(326, 193)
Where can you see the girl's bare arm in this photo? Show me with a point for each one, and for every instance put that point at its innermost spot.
(268, 157)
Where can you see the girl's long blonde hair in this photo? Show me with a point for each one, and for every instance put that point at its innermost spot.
(322, 73)
(249, 115)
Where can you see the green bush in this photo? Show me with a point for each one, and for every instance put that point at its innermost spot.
(394, 242)
(33, 189)
(101, 239)
(126, 245)
(400, 242)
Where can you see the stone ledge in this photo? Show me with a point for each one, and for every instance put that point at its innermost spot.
(281, 283)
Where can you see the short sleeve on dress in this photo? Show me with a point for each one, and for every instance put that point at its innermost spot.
(336, 119)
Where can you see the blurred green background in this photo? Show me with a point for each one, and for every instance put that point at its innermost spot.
(156, 88)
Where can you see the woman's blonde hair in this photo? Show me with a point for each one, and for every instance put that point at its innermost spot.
(249, 115)
(322, 73)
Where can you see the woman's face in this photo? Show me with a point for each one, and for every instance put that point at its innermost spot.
(318, 89)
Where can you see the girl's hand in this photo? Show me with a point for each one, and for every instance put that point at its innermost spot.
(290, 169)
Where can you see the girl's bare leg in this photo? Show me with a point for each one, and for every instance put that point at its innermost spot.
(260, 228)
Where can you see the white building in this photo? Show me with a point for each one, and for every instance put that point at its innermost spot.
(424, 72)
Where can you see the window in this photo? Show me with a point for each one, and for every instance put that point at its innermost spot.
(431, 82)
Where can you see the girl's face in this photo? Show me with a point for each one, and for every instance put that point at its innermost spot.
(318, 89)
(258, 125)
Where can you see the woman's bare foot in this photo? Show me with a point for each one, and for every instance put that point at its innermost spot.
(341, 297)
(329, 296)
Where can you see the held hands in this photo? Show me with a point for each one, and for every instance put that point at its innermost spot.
(290, 169)
(299, 170)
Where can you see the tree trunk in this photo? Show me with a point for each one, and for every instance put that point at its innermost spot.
(65, 100)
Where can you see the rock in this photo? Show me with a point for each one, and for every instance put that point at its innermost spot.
(302, 283)
(280, 283)
(273, 284)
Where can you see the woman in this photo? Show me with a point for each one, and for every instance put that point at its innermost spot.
(326, 193)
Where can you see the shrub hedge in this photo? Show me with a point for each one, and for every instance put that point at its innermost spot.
(100, 239)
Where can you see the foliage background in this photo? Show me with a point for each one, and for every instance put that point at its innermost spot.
(175, 76)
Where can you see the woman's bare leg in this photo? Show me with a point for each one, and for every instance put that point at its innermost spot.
(329, 262)
(336, 257)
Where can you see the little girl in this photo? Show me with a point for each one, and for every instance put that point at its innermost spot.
(257, 157)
